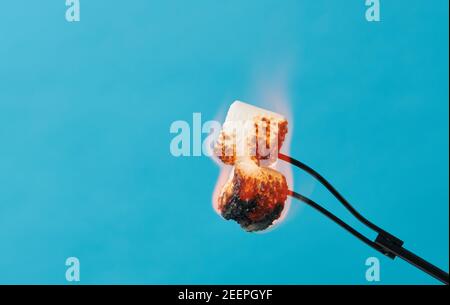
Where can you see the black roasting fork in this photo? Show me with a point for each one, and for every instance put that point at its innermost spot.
(385, 242)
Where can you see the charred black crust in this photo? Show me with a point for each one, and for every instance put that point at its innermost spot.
(239, 210)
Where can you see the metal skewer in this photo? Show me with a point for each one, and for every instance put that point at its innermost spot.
(385, 243)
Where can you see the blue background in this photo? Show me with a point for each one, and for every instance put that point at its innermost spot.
(85, 110)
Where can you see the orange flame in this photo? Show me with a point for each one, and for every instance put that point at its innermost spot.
(226, 171)
(272, 94)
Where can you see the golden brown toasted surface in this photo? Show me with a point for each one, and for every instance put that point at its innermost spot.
(254, 196)
(260, 139)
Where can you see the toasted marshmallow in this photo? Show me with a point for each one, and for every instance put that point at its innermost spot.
(254, 196)
(250, 132)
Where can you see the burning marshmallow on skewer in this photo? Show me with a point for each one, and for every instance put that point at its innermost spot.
(255, 194)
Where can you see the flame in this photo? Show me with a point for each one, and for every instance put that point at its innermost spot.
(226, 171)
(272, 94)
